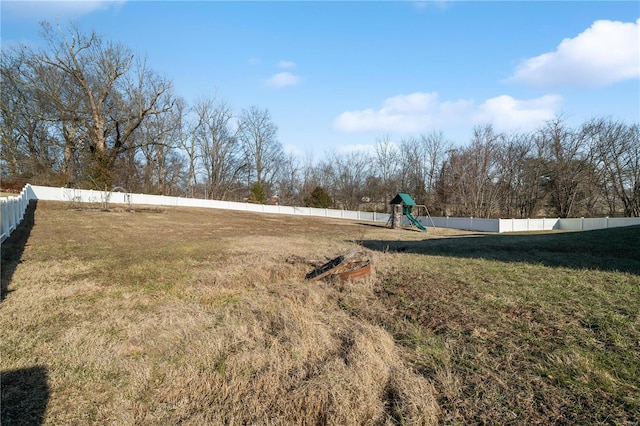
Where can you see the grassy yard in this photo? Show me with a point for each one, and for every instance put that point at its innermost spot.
(193, 316)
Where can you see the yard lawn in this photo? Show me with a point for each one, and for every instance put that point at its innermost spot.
(193, 316)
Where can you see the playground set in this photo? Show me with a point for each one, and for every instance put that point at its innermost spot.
(403, 205)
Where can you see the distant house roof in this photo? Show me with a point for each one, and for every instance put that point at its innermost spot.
(403, 198)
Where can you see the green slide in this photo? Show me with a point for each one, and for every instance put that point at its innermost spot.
(416, 222)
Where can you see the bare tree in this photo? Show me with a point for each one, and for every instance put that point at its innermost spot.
(348, 175)
(308, 175)
(29, 147)
(387, 168)
(563, 150)
(290, 188)
(161, 134)
(468, 183)
(218, 146)
(519, 190)
(323, 175)
(421, 160)
(435, 147)
(263, 153)
(84, 98)
(484, 149)
(187, 147)
(413, 172)
(617, 154)
(108, 94)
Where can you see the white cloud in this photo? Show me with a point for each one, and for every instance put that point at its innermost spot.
(507, 113)
(286, 64)
(421, 111)
(607, 52)
(57, 9)
(418, 102)
(283, 79)
(401, 113)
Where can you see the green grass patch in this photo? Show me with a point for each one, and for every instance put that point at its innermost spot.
(550, 320)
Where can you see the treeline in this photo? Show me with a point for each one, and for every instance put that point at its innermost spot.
(86, 112)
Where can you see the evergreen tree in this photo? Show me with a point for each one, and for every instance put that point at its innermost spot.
(257, 194)
(318, 198)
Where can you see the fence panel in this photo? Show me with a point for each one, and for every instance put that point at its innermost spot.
(271, 209)
(368, 216)
(440, 222)
(466, 223)
(349, 214)
(570, 224)
(594, 223)
(382, 217)
(336, 214)
(484, 225)
(305, 211)
(537, 225)
(615, 222)
(524, 225)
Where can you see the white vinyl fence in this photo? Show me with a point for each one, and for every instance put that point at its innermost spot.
(13, 209)
(571, 224)
(102, 198)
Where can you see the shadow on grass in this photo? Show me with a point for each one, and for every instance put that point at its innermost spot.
(616, 249)
(13, 247)
(25, 394)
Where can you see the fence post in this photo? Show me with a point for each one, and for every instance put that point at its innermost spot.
(606, 222)
(582, 223)
(14, 213)
(12, 220)
(22, 207)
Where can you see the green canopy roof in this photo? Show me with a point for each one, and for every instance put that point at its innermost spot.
(403, 198)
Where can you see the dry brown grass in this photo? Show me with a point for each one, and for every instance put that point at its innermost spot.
(193, 316)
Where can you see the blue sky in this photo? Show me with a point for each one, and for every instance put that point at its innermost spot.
(340, 75)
